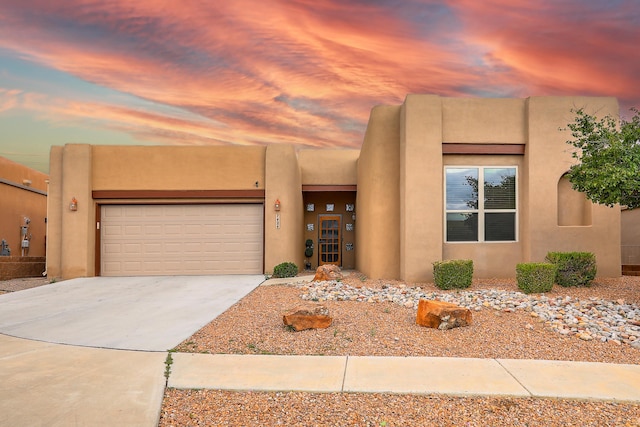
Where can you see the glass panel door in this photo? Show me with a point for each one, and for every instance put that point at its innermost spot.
(330, 240)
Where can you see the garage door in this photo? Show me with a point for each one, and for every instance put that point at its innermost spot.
(139, 240)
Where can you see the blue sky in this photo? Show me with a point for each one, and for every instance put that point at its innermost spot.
(299, 72)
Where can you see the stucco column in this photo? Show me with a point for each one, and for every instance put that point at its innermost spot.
(78, 227)
(54, 214)
(283, 229)
(378, 199)
(421, 186)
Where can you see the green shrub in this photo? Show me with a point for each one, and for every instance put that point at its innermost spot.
(453, 274)
(285, 269)
(308, 252)
(573, 268)
(535, 277)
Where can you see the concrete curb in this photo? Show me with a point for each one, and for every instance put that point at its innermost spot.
(287, 280)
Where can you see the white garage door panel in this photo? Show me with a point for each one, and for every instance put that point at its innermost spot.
(181, 239)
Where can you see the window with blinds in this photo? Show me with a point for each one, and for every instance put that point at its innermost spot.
(481, 204)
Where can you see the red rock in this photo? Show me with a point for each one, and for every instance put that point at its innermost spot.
(308, 317)
(327, 272)
(442, 315)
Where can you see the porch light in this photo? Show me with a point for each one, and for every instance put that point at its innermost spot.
(73, 206)
(277, 205)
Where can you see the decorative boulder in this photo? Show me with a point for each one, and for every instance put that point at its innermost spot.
(308, 317)
(442, 315)
(327, 272)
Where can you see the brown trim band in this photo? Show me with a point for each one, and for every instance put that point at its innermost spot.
(177, 194)
(452, 148)
(329, 188)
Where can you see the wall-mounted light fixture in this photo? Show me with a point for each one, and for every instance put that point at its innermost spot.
(277, 205)
(73, 206)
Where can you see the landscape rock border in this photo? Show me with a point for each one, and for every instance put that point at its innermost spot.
(587, 319)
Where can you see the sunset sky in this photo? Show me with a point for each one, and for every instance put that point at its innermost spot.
(303, 72)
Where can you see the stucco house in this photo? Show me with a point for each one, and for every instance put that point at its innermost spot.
(23, 203)
(23, 212)
(436, 178)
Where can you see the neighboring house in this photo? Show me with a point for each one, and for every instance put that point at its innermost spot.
(631, 242)
(23, 209)
(23, 216)
(436, 178)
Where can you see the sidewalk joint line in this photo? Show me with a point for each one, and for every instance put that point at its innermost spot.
(344, 375)
(514, 377)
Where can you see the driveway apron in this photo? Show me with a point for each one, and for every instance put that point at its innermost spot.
(53, 385)
(127, 313)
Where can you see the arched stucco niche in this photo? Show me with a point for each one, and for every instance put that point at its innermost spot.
(574, 209)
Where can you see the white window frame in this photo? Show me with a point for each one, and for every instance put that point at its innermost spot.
(481, 210)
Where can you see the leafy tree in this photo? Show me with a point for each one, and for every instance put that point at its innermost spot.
(608, 171)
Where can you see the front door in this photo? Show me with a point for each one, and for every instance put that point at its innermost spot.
(330, 240)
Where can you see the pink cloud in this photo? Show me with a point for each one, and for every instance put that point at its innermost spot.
(559, 47)
(9, 99)
(338, 68)
(307, 72)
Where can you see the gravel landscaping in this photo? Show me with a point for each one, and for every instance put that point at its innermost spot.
(377, 318)
(14, 285)
(220, 408)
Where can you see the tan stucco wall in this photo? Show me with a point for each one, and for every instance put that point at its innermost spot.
(631, 236)
(17, 203)
(425, 122)
(378, 198)
(484, 120)
(547, 159)
(421, 184)
(283, 183)
(329, 167)
(78, 227)
(631, 227)
(177, 167)
(55, 212)
(574, 208)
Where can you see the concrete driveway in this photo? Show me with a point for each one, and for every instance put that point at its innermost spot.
(46, 383)
(126, 313)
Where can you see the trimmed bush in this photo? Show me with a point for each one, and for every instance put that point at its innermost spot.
(453, 274)
(573, 268)
(535, 277)
(285, 269)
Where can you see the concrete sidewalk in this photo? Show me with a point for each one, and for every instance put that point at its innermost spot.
(61, 385)
(411, 375)
(44, 384)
